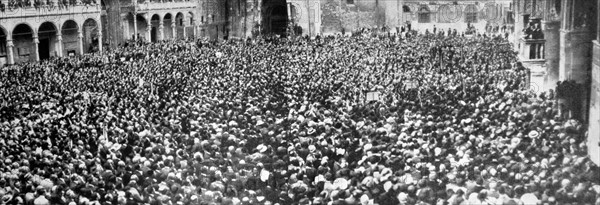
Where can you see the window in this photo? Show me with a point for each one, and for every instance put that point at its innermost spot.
(2, 47)
(510, 18)
(2, 44)
(349, 1)
(449, 13)
(471, 14)
(424, 15)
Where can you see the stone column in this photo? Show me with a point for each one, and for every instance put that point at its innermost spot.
(174, 28)
(598, 23)
(593, 139)
(183, 32)
(195, 28)
(36, 42)
(100, 46)
(161, 31)
(11, 54)
(60, 44)
(149, 31)
(576, 41)
(248, 18)
(289, 11)
(80, 42)
(551, 52)
(135, 30)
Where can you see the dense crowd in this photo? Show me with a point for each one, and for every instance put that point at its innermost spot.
(16, 4)
(286, 121)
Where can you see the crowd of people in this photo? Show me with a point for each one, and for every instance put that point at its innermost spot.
(16, 4)
(287, 121)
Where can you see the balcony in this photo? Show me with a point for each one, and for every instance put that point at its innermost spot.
(531, 54)
(532, 49)
(31, 8)
(147, 5)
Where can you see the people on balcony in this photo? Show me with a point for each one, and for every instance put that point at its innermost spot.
(533, 31)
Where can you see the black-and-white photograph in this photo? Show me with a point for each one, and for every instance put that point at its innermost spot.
(299, 102)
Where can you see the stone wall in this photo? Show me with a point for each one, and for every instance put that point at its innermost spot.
(216, 14)
(112, 24)
(338, 15)
(593, 142)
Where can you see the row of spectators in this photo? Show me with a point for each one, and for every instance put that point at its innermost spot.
(15, 4)
(285, 121)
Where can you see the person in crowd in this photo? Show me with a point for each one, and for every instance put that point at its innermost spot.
(285, 121)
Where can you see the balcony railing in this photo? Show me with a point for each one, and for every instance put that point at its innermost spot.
(143, 5)
(532, 49)
(162, 1)
(18, 8)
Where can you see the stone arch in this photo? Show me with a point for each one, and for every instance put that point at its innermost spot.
(424, 14)
(471, 12)
(3, 46)
(408, 12)
(142, 27)
(192, 24)
(449, 13)
(168, 26)
(180, 25)
(70, 43)
(22, 36)
(91, 34)
(155, 24)
(48, 40)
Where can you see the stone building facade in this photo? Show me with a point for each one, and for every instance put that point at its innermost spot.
(316, 17)
(568, 51)
(481, 16)
(33, 32)
(53, 28)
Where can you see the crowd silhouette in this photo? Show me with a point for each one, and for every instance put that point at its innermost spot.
(285, 121)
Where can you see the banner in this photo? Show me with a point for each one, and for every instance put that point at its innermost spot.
(373, 96)
(411, 84)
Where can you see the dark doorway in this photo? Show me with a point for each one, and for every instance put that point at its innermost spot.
(153, 34)
(279, 19)
(44, 48)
